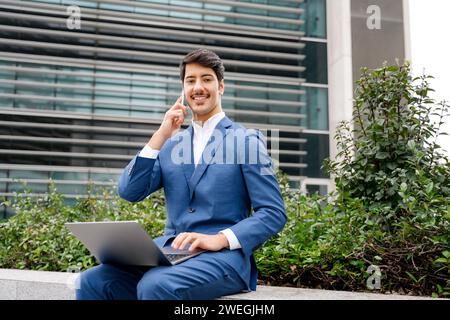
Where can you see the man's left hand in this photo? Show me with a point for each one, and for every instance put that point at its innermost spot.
(201, 241)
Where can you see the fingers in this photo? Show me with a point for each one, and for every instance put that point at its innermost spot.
(180, 241)
(176, 241)
(186, 241)
(177, 116)
(185, 238)
(173, 120)
(178, 106)
(184, 109)
(195, 244)
(198, 241)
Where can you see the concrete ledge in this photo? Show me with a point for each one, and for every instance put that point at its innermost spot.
(286, 293)
(45, 285)
(36, 285)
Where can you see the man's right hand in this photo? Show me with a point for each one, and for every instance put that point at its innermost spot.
(173, 119)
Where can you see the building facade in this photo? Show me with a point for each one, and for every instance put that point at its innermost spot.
(84, 84)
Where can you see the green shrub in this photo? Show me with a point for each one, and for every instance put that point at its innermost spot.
(391, 207)
(36, 238)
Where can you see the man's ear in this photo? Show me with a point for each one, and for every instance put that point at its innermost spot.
(221, 87)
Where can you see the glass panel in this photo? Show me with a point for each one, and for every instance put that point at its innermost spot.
(6, 103)
(6, 87)
(24, 174)
(89, 4)
(315, 18)
(35, 187)
(294, 184)
(320, 189)
(177, 12)
(3, 175)
(317, 146)
(316, 109)
(71, 188)
(69, 175)
(316, 62)
(104, 177)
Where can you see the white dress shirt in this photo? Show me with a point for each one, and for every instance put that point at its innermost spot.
(201, 137)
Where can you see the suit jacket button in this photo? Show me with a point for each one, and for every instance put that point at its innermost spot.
(191, 210)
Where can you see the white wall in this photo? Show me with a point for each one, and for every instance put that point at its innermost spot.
(429, 25)
(340, 82)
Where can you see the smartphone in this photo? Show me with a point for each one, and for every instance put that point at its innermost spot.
(182, 101)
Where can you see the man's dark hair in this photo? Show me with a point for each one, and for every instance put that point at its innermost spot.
(205, 58)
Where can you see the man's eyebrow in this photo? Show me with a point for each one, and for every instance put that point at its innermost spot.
(203, 75)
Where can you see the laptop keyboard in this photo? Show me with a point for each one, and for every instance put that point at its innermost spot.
(176, 256)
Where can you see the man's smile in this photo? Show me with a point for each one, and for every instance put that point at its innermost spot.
(199, 98)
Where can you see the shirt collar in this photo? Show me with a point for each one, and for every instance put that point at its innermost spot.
(209, 124)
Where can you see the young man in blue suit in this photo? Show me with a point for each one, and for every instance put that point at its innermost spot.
(221, 196)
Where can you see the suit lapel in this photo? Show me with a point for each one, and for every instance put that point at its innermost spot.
(188, 168)
(201, 167)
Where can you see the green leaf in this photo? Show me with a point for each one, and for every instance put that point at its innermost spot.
(429, 187)
(382, 155)
(391, 165)
(411, 276)
(403, 187)
(442, 260)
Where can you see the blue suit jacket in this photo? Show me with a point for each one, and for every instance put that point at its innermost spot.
(214, 196)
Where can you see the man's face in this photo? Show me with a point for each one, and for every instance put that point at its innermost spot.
(202, 90)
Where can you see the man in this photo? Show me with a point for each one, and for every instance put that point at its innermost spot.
(208, 199)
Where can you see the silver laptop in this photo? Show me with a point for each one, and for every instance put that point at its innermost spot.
(126, 242)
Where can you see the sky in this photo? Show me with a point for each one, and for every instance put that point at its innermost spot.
(430, 49)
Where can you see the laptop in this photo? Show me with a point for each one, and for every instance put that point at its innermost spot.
(126, 242)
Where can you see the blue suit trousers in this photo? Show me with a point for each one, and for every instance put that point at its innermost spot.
(193, 279)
